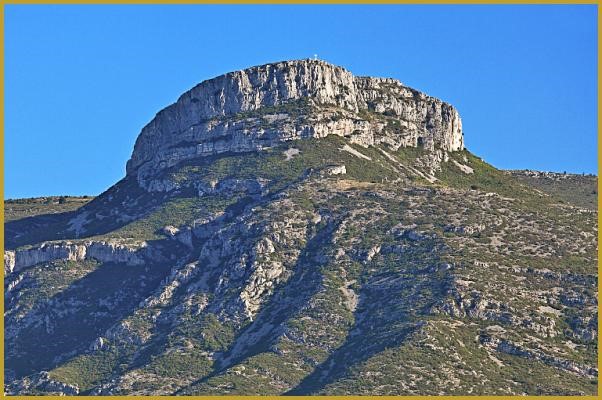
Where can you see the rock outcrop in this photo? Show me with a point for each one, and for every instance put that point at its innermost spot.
(15, 260)
(42, 382)
(258, 107)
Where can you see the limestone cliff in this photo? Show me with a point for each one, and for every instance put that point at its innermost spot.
(261, 106)
(15, 260)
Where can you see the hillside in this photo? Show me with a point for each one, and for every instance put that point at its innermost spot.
(579, 190)
(299, 230)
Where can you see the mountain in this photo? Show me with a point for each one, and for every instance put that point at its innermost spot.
(295, 229)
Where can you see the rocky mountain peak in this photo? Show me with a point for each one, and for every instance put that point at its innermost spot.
(258, 107)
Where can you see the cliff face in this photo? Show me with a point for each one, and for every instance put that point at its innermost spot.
(15, 260)
(262, 106)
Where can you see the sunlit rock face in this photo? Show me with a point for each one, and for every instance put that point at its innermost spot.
(261, 106)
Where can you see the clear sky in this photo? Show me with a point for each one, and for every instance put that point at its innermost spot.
(81, 81)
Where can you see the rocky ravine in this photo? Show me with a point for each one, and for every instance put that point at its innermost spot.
(293, 229)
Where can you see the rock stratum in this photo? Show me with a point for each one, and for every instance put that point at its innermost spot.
(294, 229)
(251, 110)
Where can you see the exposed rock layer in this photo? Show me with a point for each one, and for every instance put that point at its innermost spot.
(261, 106)
(46, 252)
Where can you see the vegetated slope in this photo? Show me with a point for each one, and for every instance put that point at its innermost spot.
(21, 208)
(295, 254)
(581, 190)
(322, 283)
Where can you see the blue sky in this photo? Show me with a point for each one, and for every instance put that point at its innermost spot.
(81, 81)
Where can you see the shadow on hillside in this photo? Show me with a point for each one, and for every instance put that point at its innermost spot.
(31, 230)
(287, 301)
(69, 321)
(377, 329)
(123, 198)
